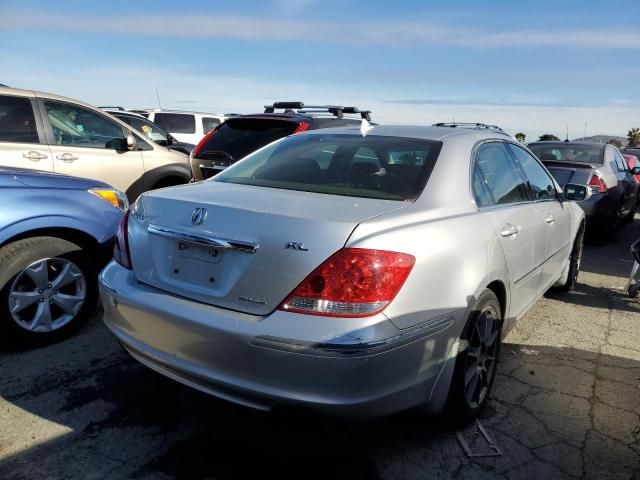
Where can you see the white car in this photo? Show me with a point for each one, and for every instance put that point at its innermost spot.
(187, 127)
(41, 131)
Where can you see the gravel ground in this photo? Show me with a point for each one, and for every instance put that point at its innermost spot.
(566, 405)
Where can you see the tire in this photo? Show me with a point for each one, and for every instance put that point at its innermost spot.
(628, 218)
(474, 365)
(574, 262)
(48, 288)
(169, 182)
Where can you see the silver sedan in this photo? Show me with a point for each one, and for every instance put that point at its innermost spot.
(358, 271)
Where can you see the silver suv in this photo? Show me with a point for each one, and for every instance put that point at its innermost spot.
(48, 132)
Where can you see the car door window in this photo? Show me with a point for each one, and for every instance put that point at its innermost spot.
(496, 169)
(540, 183)
(17, 122)
(176, 122)
(80, 127)
(209, 124)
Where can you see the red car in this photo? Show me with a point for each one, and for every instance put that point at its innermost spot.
(632, 160)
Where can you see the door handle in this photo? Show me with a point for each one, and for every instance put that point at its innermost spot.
(509, 230)
(549, 218)
(67, 157)
(33, 155)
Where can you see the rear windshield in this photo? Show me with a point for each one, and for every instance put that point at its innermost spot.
(388, 168)
(239, 137)
(568, 152)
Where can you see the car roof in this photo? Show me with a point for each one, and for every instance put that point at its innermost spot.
(52, 96)
(117, 111)
(413, 131)
(167, 110)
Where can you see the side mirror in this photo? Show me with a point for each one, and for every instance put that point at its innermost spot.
(131, 142)
(170, 139)
(635, 170)
(576, 193)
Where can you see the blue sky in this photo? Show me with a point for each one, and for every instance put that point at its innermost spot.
(533, 67)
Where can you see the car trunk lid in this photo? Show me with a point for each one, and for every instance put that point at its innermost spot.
(250, 249)
(570, 172)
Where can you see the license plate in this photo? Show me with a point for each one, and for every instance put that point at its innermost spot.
(196, 251)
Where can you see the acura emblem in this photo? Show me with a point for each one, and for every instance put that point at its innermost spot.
(198, 215)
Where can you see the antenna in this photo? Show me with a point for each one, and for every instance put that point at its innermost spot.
(566, 139)
(158, 95)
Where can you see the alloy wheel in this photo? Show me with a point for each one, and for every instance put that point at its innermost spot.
(47, 295)
(482, 353)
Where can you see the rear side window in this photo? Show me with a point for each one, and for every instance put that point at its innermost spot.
(239, 137)
(540, 183)
(621, 163)
(350, 165)
(176, 122)
(17, 122)
(209, 124)
(496, 171)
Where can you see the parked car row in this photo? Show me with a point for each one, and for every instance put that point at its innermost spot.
(318, 259)
(605, 169)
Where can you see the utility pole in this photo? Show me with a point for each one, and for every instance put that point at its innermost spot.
(158, 96)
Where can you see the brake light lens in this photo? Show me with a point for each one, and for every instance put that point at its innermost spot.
(121, 249)
(354, 282)
(202, 143)
(302, 126)
(597, 184)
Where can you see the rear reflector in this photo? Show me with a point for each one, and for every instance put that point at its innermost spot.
(202, 143)
(302, 126)
(354, 282)
(597, 184)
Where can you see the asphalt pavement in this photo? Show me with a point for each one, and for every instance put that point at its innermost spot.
(566, 404)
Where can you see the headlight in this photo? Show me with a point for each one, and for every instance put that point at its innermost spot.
(137, 209)
(111, 195)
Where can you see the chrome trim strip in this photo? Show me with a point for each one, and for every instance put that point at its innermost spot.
(209, 239)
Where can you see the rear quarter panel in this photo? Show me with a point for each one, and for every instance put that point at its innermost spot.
(456, 258)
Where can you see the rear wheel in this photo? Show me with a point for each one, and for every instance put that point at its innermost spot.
(48, 288)
(477, 360)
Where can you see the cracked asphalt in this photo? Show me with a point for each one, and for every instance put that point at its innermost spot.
(566, 404)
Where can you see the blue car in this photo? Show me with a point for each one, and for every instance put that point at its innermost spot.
(56, 233)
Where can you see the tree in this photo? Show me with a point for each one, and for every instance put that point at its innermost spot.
(521, 137)
(615, 142)
(548, 137)
(634, 137)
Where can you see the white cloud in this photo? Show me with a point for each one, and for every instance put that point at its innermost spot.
(134, 86)
(397, 33)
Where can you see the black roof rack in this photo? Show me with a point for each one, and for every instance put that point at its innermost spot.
(478, 126)
(300, 107)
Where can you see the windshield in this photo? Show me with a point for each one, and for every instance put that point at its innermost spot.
(389, 168)
(568, 152)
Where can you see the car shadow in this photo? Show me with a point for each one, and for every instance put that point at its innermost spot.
(614, 258)
(120, 420)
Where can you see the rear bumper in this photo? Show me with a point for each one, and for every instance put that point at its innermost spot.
(202, 169)
(600, 207)
(244, 359)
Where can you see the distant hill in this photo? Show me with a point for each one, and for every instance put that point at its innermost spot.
(601, 139)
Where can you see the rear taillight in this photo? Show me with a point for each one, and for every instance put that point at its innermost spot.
(597, 184)
(354, 282)
(302, 126)
(202, 143)
(121, 249)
